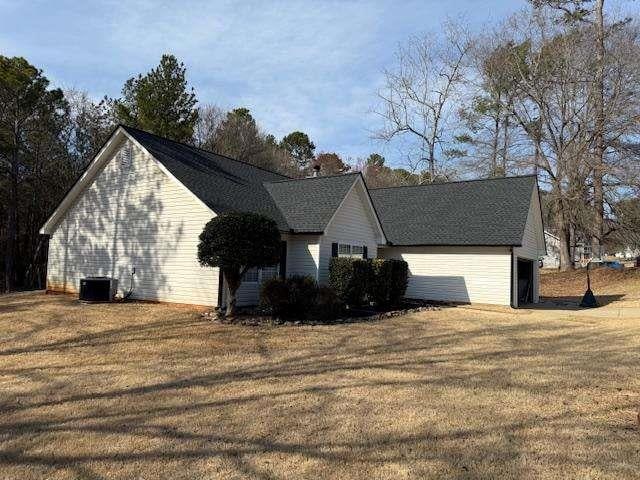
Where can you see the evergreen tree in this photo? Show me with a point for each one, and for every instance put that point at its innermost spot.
(31, 121)
(160, 101)
(300, 147)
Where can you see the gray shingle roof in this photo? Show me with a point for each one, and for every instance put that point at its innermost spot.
(308, 204)
(475, 212)
(225, 184)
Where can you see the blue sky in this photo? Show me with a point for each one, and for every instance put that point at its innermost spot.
(311, 66)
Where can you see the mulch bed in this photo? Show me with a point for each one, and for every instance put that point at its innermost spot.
(253, 317)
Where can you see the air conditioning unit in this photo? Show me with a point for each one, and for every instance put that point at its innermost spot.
(98, 289)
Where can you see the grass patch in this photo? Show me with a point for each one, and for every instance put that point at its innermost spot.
(154, 391)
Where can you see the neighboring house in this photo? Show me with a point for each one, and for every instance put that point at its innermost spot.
(143, 201)
(628, 253)
(552, 258)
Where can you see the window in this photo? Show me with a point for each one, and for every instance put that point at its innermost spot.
(253, 275)
(126, 154)
(250, 275)
(267, 273)
(352, 251)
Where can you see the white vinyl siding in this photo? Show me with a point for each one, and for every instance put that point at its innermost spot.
(456, 274)
(533, 239)
(352, 224)
(303, 255)
(532, 248)
(133, 215)
(302, 259)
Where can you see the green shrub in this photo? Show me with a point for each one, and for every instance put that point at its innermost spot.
(235, 240)
(399, 280)
(380, 285)
(327, 306)
(274, 296)
(289, 298)
(350, 278)
(302, 295)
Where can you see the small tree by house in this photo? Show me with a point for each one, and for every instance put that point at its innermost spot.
(236, 242)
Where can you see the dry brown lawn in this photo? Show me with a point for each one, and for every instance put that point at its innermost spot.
(608, 284)
(153, 391)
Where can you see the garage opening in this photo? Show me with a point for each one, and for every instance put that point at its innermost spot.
(525, 281)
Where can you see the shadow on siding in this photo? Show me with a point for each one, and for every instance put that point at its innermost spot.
(117, 226)
(441, 288)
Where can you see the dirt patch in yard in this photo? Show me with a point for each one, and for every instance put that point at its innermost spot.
(154, 391)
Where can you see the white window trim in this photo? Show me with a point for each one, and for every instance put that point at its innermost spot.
(259, 278)
(351, 253)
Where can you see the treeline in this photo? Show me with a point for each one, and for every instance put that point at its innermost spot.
(553, 90)
(48, 137)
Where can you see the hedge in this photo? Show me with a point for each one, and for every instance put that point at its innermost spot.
(380, 285)
(399, 280)
(292, 297)
(350, 278)
(382, 281)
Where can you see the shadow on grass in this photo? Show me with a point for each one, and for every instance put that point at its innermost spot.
(571, 302)
(317, 388)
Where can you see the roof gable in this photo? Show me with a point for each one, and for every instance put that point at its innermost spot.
(475, 212)
(309, 204)
(222, 183)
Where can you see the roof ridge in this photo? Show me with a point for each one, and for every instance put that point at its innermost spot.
(314, 178)
(287, 177)
(533, 175)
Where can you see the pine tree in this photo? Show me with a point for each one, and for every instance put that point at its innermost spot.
(160, 101)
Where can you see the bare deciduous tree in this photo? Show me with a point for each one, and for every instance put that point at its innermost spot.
(418, 98)
(209, 119)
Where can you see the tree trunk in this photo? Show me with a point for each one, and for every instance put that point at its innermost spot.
(566, 262)
(494, 145)
(505, 146)
(599, 147)
(432, 164)
(233, 280)
(564, 234)
(12, 226)
(231, 303)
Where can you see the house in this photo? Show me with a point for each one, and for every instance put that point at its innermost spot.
(627, 253)
(143, 201)
(551, 259)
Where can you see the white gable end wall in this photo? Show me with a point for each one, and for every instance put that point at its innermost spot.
(303, 255)
(352, 224)
(532, 246)
(133, 215)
